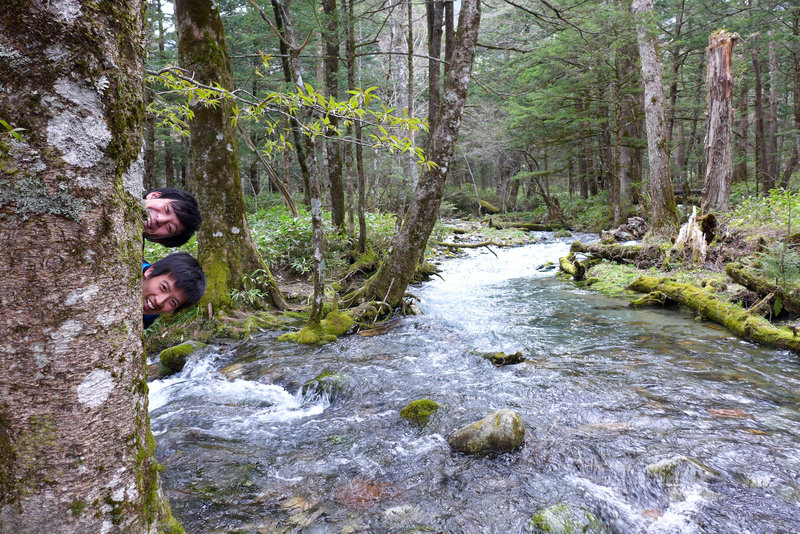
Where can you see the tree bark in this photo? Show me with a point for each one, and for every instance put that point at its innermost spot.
(662, 198)
(772, 147)
(740, 169)
(76, 452)
(226, 251)
(719, 120)
(390, 282)
(762, 174)
(333, 154)
(435, 13)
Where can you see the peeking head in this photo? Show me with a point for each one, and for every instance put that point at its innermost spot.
(172, 216)
(172, 284)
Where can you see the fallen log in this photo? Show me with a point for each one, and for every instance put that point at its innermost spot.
(736, 319)
(618, 253)
(531, 227)
(573, 268)
(762, 286)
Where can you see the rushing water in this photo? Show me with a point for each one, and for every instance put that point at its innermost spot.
(605, 392)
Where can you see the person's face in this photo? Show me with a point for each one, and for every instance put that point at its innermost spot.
(160, 295)
(162, 221)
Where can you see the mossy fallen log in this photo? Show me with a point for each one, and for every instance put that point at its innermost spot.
(469, 245)
(531, 227)
(618, 253)
(736, 319)
(572, 267)
(745, 277)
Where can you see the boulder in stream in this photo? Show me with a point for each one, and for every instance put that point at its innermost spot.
(561, 518)
(500, 431)
(327, 383)
(419, 411)
(174, 358)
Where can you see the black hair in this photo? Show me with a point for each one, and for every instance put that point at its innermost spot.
(187, 273)
(186, 209)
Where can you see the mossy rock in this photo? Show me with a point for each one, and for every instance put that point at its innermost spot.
(326, 384)
(563, 233)
(174, 358)
(500, 431)
(336, 323)
(419, 411)
(561, 518)
(501, 358)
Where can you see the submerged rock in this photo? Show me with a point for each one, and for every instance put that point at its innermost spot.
(500, 431)
(561, 518)
(501, 358)
(419, 411)
(174, 358)
(680, 473)
(327, 383)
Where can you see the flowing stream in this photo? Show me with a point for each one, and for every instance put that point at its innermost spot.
(605, 392)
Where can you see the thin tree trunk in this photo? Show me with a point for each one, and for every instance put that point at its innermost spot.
(390, 282)
(169, 164)
(719, 120)
(662, 198)
(772, 147)
(740, 169)
(76, 452)
(762, 173)
(435, 11)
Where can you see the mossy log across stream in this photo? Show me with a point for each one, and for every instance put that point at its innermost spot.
(736, 319)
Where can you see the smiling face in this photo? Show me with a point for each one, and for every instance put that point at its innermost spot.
(160, 294)
(162, 221)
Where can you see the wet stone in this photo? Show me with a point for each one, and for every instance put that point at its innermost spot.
(500, 431)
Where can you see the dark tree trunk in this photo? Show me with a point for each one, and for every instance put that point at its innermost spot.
(435, 13)
(390, 282)
(226, 251)
(333, 155)
(762, 174)
(719, 121)
(772, 147)
(740, 169)
(169, 164)
(76, 452)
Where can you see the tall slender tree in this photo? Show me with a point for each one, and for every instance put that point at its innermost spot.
(408, 245)
(664, 216)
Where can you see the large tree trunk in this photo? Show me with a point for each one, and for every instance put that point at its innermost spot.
(787, 173)
(226, 251)
(408, 245)
(718, 146)
(772, 147)
(662, 198)
(76, 452)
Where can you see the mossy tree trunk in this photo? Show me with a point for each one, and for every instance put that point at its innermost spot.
(76, 453)
(226, 251)
(408, 245)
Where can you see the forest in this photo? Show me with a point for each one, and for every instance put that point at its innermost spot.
(340, 153)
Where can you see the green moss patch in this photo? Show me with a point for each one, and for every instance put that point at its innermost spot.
(419, 411)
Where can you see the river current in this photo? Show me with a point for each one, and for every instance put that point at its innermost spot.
(644, 421)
